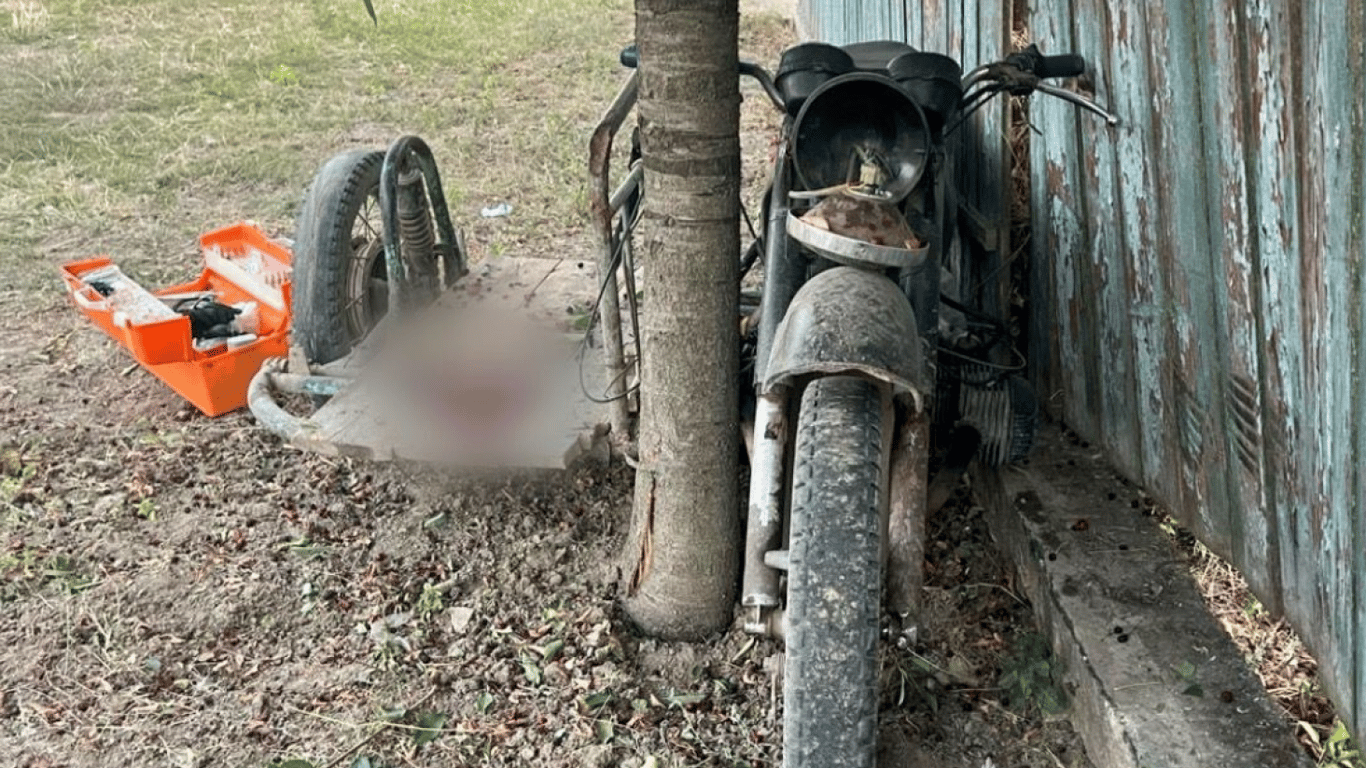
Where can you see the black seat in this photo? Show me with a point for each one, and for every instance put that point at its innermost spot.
(875, 55)
(930, 78)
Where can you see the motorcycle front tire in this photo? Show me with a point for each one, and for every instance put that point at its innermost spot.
(340, 277)
(830, 694)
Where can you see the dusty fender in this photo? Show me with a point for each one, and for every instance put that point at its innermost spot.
(847, 320)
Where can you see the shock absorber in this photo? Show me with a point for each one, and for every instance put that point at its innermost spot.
(416, 234)
(412, 204)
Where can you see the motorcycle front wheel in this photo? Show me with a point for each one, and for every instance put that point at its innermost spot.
(835, 575)
(340, 276)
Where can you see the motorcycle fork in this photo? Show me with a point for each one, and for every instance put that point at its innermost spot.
(905, 449)
(783, 272)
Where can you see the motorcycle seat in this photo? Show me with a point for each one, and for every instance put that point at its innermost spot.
(875, 55)
(930, 78)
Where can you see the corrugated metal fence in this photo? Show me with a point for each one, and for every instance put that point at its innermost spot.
(1197, 273)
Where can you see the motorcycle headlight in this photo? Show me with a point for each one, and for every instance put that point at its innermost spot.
(861, 130)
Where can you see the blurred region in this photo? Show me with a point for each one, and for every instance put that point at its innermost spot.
(497, 373)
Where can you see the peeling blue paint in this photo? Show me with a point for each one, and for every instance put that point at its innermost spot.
(1197, 273)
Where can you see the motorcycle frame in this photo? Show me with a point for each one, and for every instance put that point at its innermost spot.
(910, 376)
(785, 272)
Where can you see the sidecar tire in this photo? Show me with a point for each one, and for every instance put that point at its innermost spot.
(834, 577)
(339, 271)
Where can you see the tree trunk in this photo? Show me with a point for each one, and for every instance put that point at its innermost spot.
(682, 554)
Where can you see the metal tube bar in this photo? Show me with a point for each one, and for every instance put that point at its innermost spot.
(772, 623)
(765, 81)
(627, 186)
(1081, 101)
(268, 413)
(764, 524)
(782, 272)
(300, 384)
(600, 207)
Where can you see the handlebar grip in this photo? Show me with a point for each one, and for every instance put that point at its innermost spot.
(1062, 65)
(630, 56)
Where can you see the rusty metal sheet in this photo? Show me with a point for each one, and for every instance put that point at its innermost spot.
(1199, 337)
(1198, 275)
(1225, 119)
(1119, 414)
(913, 13)
(1331, 158)
(1136, 217)
(1059, 240)
(1274, 206)
(934, 32)
(992, 25)
(1238, 186)
(1343, 134)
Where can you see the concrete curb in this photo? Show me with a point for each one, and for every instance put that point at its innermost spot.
(1155, 682)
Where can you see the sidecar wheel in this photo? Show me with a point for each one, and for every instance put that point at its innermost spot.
(340, 278)
(835, 576)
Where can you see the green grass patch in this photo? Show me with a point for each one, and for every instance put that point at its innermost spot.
(132, 126)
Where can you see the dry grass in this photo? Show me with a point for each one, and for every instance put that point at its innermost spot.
(1270, 646)
(133, 126)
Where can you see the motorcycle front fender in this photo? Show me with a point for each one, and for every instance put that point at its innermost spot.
(851, 321)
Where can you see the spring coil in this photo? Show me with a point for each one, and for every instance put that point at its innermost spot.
(416, 234)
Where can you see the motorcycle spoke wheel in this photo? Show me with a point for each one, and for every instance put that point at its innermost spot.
(340, 278)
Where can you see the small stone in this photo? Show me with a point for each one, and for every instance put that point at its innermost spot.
(461, 615)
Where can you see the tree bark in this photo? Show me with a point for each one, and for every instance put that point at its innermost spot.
(682, 554)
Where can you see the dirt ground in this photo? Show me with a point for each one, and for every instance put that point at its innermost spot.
(184, 591)
(181, 591)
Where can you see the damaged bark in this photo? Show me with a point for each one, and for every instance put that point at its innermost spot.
(682, 555)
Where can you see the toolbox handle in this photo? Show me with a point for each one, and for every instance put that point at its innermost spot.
(85, 302)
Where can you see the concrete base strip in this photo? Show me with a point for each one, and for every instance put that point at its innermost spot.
(1155, 682)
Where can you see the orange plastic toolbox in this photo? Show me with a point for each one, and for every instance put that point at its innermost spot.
(242, 268)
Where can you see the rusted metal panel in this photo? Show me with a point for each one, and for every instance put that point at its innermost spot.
(1274, 205)
(1105, 218)
(1232, 211)
(1197, 359)
(1134, 144)
(913, 12)
(992, 32)
(1059, 240)
(1225, 117)
(1331, 220)
(1344, 133)
(1198, 274)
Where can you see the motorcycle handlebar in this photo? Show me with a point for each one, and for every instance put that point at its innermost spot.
(630, 58)
(1033, 61)
(1062, 65)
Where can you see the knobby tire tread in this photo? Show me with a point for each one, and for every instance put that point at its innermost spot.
(322, 252)
(834, 578)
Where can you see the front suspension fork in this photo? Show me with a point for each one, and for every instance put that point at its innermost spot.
(760, 591)
(760, 594)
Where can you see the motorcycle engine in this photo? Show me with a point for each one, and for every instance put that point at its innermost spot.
(997, 402)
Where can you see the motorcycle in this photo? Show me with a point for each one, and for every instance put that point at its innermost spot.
(864, 363)
(868, 356)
